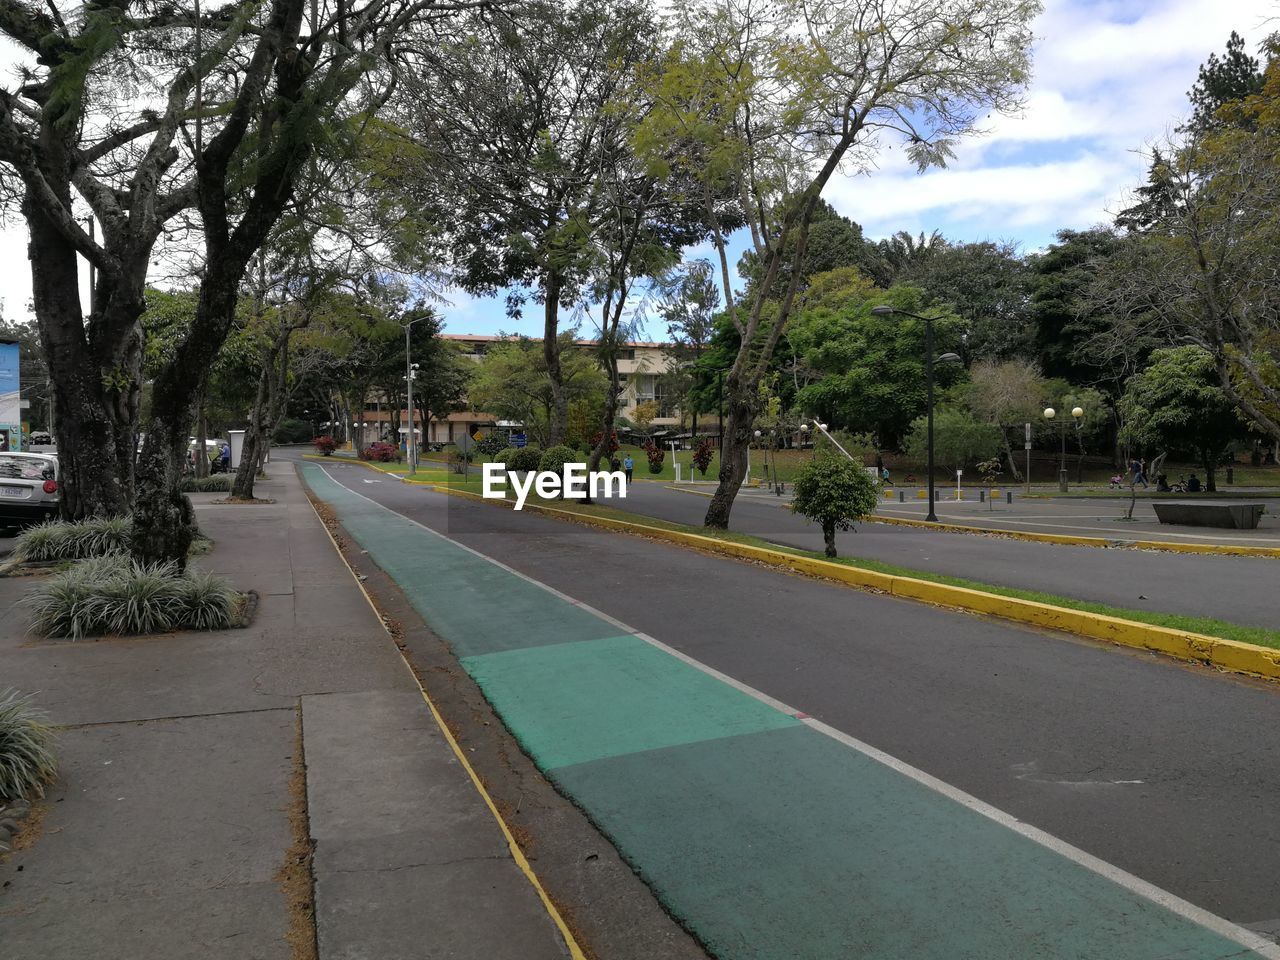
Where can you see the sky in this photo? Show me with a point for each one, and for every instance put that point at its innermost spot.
(1110, 78)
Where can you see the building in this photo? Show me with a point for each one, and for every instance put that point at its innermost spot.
(641, 365)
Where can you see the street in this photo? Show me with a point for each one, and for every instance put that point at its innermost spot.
(1235, 589)
(1151, 766)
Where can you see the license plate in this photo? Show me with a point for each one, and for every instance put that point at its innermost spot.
(20, 493)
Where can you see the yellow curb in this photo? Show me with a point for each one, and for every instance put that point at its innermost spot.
(1238, 550)
(1232, 655)
(513, 846)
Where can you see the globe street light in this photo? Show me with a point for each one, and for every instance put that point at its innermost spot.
(884, 310)
(1050, 414)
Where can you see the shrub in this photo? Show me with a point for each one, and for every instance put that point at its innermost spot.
(505, 456)
(118, 595)
(526, 458)
(491, 443)
(835, 492)
(655, 454)
(382, 452)
(325, 445)
(26, 761)
(216, 483)
(79, 540)
(610, 448)
(702, 456)
(554, 458)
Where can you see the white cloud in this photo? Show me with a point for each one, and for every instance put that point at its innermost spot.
(1110, 79)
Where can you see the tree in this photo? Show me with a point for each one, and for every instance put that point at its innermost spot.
(518, 121)
(1231, 79)
(687, 305)
(512, 383)
(300, 94)
(1006, 395)
(1178, 403)
(989, 285)
(140, 112)
(835, 492)
(773, 99)
(958, 438)
(870, 368)
(1059, 287)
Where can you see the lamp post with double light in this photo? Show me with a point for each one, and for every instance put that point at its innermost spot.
(885, 310)
(1050, 415)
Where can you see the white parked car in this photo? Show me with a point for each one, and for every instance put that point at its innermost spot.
(29, 488)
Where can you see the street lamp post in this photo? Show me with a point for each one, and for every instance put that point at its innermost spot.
(884, 310)
(1050, 414)
(410, 371)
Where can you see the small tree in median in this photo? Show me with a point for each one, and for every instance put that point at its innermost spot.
(835, 492)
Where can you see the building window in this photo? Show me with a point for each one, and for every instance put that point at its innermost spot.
(627, 353)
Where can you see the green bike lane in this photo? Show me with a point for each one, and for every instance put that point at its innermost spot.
(767, 834)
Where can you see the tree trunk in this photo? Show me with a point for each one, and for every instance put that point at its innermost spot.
(559, 413)
(201, 462)
(733, 458)
(96, 380)
(1008, 452)
(163, 522)
(1210, 474)
(829, 537)
(266, 411)
(606, 433)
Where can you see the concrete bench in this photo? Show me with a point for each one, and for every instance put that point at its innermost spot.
(1236, 516)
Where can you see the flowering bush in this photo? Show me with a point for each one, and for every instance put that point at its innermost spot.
(382, 452)
(702, 456)
(611, 448)
(655, 454)
(325, 445)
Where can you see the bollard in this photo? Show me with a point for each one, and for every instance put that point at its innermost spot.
(982, 496)
(902, 496)
(1008, 497)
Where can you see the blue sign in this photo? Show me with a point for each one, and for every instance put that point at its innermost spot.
(519, 440)
(10, 408)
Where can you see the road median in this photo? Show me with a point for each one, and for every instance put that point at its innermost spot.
(1230, 655)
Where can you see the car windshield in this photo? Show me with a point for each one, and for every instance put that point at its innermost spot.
(24, 468)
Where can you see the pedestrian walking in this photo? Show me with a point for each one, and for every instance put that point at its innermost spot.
(1137, 470)
(628, 465)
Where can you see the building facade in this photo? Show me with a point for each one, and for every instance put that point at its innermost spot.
(641, 365)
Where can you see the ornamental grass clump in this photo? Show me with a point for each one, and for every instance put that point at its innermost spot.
(214, 483)
(57, 540)
(26, 757)
(117, 595)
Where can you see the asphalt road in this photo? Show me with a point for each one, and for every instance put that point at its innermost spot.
(1236, 589)
(1164, 770)
(1098, 517)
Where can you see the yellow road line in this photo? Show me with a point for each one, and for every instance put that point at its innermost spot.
(1232, 655)
(575, 951)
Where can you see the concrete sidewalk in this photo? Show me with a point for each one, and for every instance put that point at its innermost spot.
(198, 771)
